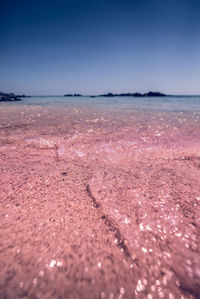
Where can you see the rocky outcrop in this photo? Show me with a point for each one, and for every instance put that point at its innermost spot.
(9, 97)
(73, 95)
(128, 94)
(154, 94)
(136, 94)
(109, 94)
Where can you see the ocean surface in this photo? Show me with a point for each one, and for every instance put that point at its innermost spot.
(162, 104)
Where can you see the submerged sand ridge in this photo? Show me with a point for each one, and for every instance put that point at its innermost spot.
(99, 204)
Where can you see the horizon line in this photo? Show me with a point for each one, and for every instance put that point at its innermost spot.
(96, 95)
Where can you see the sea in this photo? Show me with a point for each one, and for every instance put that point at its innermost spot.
(161, 104)
(169, 119)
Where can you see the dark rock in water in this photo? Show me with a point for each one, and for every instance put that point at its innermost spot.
(22, 96)
(92, 96)
(109, 94)
(8, 97)
(136, 94)
(73, 95)
(129, 94)
(154, 94)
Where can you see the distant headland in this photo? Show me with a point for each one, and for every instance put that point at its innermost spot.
(136, 94)
(11, 97)
(129, 94)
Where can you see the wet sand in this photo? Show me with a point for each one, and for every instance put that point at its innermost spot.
(99, 204)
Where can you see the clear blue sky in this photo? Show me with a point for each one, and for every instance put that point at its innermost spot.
(88, 46)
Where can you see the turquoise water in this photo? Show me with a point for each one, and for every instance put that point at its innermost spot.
(162, 104)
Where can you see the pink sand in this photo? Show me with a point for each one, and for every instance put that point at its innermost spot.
(99, 204)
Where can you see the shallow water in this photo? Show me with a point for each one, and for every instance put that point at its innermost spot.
(164, 104)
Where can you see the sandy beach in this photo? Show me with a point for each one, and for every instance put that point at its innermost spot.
(99, 204)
